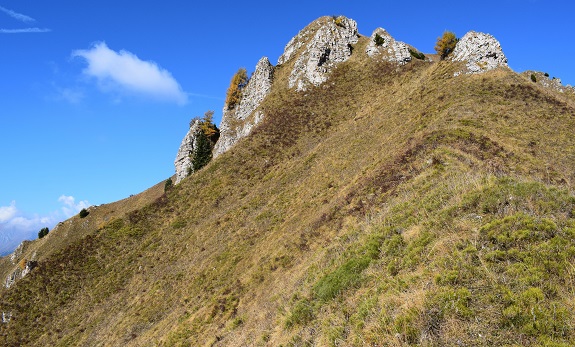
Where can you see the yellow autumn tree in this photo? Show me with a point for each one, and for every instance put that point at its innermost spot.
(208, 127)
(234, 94)
(446, 44)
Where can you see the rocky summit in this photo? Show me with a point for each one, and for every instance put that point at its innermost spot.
(480, 52)
(311, 56)
(317, 49)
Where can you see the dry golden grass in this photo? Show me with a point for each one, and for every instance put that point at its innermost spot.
(356, 214)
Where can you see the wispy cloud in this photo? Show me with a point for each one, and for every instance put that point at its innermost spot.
(72, 96)
(17, 226)
(18, 16)
(124, 72)
(24, 31)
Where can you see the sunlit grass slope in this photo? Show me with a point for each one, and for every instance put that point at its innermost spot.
(390, 206)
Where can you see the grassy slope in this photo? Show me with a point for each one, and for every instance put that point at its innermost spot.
(75, 229)
(390, 206)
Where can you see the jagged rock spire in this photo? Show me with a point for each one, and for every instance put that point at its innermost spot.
(318, 48)
(239, 121)
(183, 162)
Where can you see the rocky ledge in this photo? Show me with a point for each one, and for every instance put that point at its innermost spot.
(387, 49)
(545, 81)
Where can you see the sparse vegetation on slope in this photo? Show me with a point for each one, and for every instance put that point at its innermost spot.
(391, 204)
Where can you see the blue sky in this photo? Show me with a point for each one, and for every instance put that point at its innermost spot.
(96, 96)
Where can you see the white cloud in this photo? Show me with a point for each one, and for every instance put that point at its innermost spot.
(70, 207)
(17, 226)
(18, 16)
(125, 72)
(23, 31)
(7, 212)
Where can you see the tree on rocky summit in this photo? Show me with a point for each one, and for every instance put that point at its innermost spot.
(446, 44)
(234, 94)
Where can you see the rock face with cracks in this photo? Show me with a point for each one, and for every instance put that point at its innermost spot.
(388, 49)
(183, 162)
(317, 49)
(481, 52)
(238, 122)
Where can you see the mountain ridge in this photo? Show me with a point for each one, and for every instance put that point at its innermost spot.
(392, 203)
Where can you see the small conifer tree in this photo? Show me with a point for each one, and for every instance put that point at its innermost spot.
(205, 139)
(43, 232)
(168, 185)
(84, 213)
(378, 40)
(446, 44)
(202, 153)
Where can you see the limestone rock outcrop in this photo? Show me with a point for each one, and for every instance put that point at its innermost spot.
(19, 251)
(545, 81)
(389, 49)
(238, 122)
(6, 316)
(183, 162)
(317, 48)
(20, 273)
(481, 52)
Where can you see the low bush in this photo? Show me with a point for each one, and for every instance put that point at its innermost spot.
(416, 54)
(84, 213)
(43, 232)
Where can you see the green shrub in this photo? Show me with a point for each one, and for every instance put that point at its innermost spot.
(378, 40)
(302, 313)
(168, 185)
(43, 232)
(533, 78)
(346, 276)
(416, 54)
(84, 213)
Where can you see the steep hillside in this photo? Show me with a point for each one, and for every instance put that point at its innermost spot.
(71, 231)
(394, 204)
